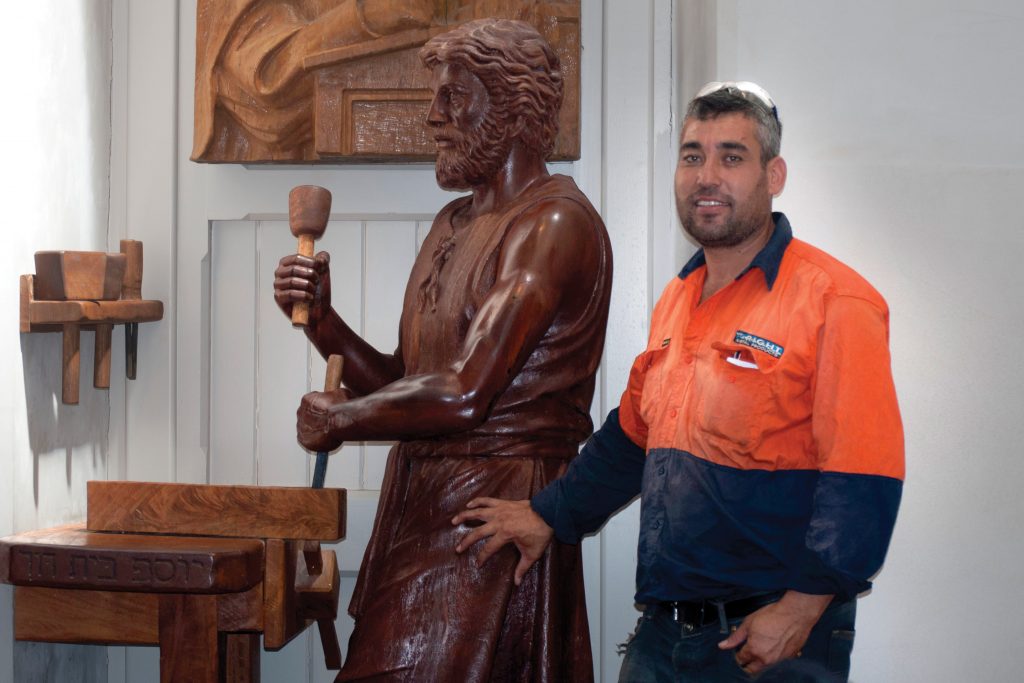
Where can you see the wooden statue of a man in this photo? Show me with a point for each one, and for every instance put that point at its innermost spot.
(490, 388)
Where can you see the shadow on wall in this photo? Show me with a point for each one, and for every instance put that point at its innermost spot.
(56, 429)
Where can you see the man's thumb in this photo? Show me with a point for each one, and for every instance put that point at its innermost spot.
(735, 638)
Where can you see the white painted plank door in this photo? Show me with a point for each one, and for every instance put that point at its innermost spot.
(232, 354)
(261, 367)
(390, 252)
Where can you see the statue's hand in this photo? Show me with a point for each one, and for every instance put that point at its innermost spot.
(318, 420)
(505, 521)
(300, 278)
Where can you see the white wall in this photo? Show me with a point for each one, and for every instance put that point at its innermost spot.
(906, 160)
(54, 187)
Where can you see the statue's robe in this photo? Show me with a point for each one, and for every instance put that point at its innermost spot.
(423, 612)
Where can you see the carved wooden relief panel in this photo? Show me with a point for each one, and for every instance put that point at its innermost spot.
(333, 81)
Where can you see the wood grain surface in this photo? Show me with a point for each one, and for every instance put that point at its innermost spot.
(189, 642)
(71, 557)
(55, 615)
(240, 657)
(280, 600)
(237, 511)
(62, 275)
(47, 316)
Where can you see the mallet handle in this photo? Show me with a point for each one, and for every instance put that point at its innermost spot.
(300, 309)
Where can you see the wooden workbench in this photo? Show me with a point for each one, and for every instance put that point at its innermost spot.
(200, 571)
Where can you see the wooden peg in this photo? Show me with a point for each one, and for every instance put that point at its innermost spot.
(309, 207)
(101, 357)
(71, 364)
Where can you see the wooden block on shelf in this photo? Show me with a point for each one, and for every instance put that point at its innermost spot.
(237, 511)
(69, 275)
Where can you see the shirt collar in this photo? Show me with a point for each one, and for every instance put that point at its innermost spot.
(768, 259)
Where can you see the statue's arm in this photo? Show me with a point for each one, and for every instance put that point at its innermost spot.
(300, 278)
(547, 265)
(366, 369)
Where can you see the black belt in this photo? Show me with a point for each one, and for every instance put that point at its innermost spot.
(692, 615)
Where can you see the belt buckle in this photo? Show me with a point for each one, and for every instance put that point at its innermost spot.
(688, 619)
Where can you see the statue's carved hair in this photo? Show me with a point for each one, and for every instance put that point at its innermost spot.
(521, 72)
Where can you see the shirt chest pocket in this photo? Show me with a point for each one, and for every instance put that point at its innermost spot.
(736, 390)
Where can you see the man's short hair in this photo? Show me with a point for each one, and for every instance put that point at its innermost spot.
(730, 100)
(521, 72)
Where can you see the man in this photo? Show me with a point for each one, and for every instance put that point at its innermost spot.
(760, 427)
(489, 391)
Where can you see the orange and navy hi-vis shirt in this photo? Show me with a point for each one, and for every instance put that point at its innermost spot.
(761, 429)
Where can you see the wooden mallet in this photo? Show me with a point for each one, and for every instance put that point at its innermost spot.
(309, 207)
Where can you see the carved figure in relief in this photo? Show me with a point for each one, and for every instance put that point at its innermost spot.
(489, 390)
(254, 99)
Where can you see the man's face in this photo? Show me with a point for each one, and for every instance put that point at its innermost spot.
(723, 192)
(469, 131)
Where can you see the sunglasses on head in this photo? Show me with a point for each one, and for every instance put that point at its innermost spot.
(745, 89)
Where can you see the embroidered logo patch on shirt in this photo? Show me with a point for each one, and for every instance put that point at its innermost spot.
(759, 343)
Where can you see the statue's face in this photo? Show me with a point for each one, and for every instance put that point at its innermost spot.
(469, 131)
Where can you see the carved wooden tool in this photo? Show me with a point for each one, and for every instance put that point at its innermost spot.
(309, 207)
(131, 289)
(324, 581)
(333, 380)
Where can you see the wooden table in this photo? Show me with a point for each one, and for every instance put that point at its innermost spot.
(200, 571)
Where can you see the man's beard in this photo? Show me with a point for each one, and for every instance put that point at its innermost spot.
(745, 220)
(476, 155)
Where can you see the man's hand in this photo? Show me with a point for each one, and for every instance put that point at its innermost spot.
(505, 521)
(777, 631)
(315, 420)
(300, 278)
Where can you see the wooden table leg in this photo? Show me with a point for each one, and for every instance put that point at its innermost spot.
(71, 365)
(101, 364)
(189, 640)
(241, 652)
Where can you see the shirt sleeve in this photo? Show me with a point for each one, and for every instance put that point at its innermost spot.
(606, 474)
(859, 436)
(601, 479)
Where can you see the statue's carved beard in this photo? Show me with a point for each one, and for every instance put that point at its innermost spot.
(476, 155)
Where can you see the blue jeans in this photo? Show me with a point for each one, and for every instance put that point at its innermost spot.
(659, 652)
